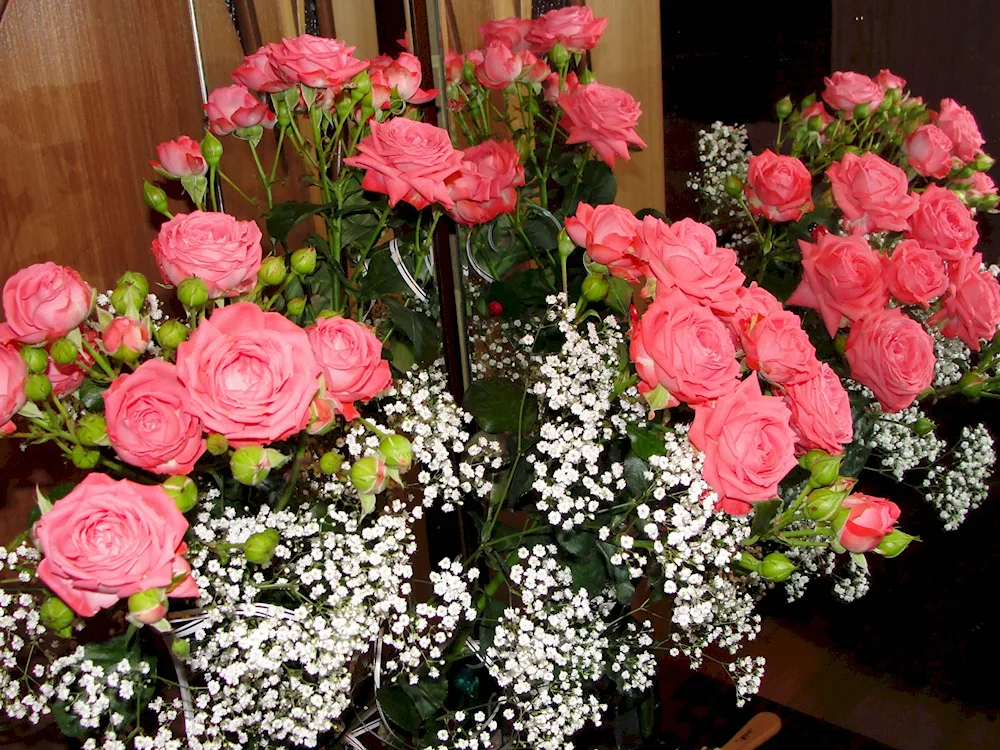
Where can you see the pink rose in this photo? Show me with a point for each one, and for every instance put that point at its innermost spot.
(259, 73)
(453, 65)
(914, 274)
(979, 186)
(317, 62)
(402, 75)
(552, 86)
(928, 150)
(13, 371)
(500, 67)
(575, 28)
(603, 116)
(350, 358)
(180, 158)
(408, 161)
(864, 521)
(232, 107)
(778, 348)
(779, 187)
(683, 347)
(533, 70)
(510, 32)
(221, 251)
(125, 337)
(150, 421)
(816, 109)
(971, 311)
(487, 184)
(748, 444)
(684, 256)
(65, 379)
(846, 90)
(821, 412)
(872, 193)
(737, 309)
(893, 355)
(44, 302)
(250, 374)
(944, 224)
(958, 124)
(107, 540)
(889, 80)
(612, 237)
(841, 278)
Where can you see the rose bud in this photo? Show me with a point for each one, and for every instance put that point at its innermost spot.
(783, 108)
(180, 158)
(155, 198)
(272, 271)
(825, 471)
(304, 261)
(136, 279)
(217, 444)
(127, 299)
(192, 292)
(296, 305)
(56, 616)
(91, 430)
(824, 503)
(397, 451)
(183, 491)
(734, 186)
(125, 338)
(171, 334)
(181, 648)
(259, 548)
(251, 464)
(83, 458)
(775, 566)
(211, 149)
(331, 462)
(147, 607)
(368, 475)
(63, 351)
(894, 543)
(594, 288)
(37, 387)
(923, 426)
(36, 359)
(864, 521)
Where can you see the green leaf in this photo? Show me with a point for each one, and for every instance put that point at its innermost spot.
(856, 454)
(597, 186)
(491, 614)
(381, 277)
(196, 185)
(635, 475)
(541, 232)
(284, 217)
(91, 395)
(357, 225)
(588, 572)
(763, 515)
(619, 294)
(496, 405)
(401, 355)
(645, 442)
(68, 723)
(398, 708)
(577, 543)
(418, 328)
(531, 285)
(427, 695)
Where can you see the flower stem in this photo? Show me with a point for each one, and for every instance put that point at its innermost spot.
(293, 476)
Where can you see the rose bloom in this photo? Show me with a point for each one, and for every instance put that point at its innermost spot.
(453, 65)
(779, 187)
(222, 251)
(403, 75)
(958, 124)
(746, 302)
(864, 521)
(889, 80)
(971, 310)
(232, 107)
(683, 347)
(928, 150)
(748, 444)
(846, 90)
(979, 186)
(551, 86)
(250, 374)
(107, 540)
(150, 421)
(350, 358)
(510, 32)
(125, 335)
(65, 379)
(259, 73)
(821, 412)
(684, 256)
(914, 274)
(500, 67)
(944, 224)
(44, 302)
(603, 116)
(13, 371)
(533, 70)
(612, 237)
(408, 161)
(180, 158)
(872, 193)
(893, 355)
(841, 278)
(816, 109)
(317, 62)
(575, 28)
(486, 186)
(778, 348)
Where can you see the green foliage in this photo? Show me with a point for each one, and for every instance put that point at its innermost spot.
(619, 294)
(422, 332)
(763, 516)
(645, 441)
(91, 395)
(381, 277)
(284, 217)
(496, 405)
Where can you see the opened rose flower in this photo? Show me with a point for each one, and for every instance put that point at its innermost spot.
(612, 237)
(864, 522)
(180, 158)
(971, 309)
(914, 274)
(604, 117)
(44, 302)
(259, 72)
(499, 68)
(872, 193)
(928, 150)
(402, 75)
(778, 348)
(737, 309)
(845, 90)
(317, 62)
(778, 187)
(511, 32)
(575, 28)
(232, 107)
(12, 374)
(486, 185)
(350, 359)
(942, 223)
(125, 338)
(821, 412)
(961, 127)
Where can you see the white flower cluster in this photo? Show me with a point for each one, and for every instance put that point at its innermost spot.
(953, 358)
(576, 396)
(723, 150)
(852, 583)
(900, 447)
(811, 562)
(961, 485)
(496, 346)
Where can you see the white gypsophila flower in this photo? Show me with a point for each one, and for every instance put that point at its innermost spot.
(810, 562)
(851, 583)
(899, 446)
(961, 483)
(723, 150)
(499, 345)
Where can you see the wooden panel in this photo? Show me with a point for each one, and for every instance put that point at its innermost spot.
(460, 19)
(83, 112)
(629, 57)
(354, 23)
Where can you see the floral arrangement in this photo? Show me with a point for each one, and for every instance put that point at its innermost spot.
(650, 444)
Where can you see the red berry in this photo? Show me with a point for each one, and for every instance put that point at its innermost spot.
(495, 308)
(818, 230)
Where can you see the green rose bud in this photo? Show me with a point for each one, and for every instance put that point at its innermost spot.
(840, 343)
(809, 101)
(368, 475)
(469, 72)
(894, 543)
(249, 465)
(344, 104)
(217, 444)
(807, 460)
(211, 149)
(282, 114)
(397, 451)
(595, 288)
(37, 387)
(970, 384)
(171, 334)
(55, 614)
(147, 607)
(272, 271)
(566, 245)
(330, 462)
(825, 471)
(559, 56)
(362, 83)
(748, 562)
(989, 202)
(84, 458)
(63, 351)
(183, 491)
(984, 163)
(734, 186)
(304, 261)
(192, 292)
(862, 110)
(964, 173)
(895, 110)
(815, 123)
(824, 503)
(783, 108)
(586, 76)
(36, 359)
(923, 426)
(181, 648)
(126, 299)
(776, 567)
(296, 305)
(136, 279)
(259, 548)
(155, 198)
(523, 150)
(91, 430)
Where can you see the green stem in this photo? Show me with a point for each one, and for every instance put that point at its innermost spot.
(236, 187)
(211, 188)
(491, 521)
(293, 477)
(99, 359)
(277, 155)
(263, 176)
